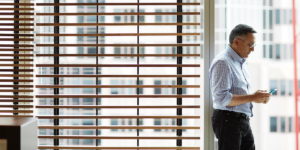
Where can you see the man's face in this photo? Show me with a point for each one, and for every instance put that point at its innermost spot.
(243, 45)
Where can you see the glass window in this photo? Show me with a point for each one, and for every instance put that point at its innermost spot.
(290, 87)
(117, 51)
(140, 89)
(114, 122)
(130, 90)
(75, 132)
(42, 131)
(174, 89)
(157, 122)
(273, 124)
(117, 19)
(87, 141)
(114, 90)
(270, 51)
(174, 17)
(80, 50)
(284, 51)
(91, 50)
(158, 50)
(273, 85)
(277, 51)
(277, 13)
(290, 16)
(91, 30)
(184, 89)
(87, 122)
(166, 90)
(264, 51)
(291, 52)
(80, 19)
(75, 101)
(158, 18)
(264, 19)
(91, 19)
(132, 51)
(75, 141)
(80, 30)
(282, 87)
(87, 101)
(75, 122)
(88, 71)
(75, 70)
(284, 17)
(270, 19)
(141, 17)
(282, 124)
(157, 90)
(290, 124)
(80, 38)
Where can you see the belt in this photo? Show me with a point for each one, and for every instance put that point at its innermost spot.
(231, 113)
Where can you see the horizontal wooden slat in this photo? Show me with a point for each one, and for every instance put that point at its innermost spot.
(16, 116)
(76, 45)
(106, 4)
(17, 55)
(115, 13)
(117, 86)
(118, 55)
(17, 4)
(15, 45)
(16, 8)
(16, 34)
(108, 117)
(16, 14)
(16, 65)
(16, 59)
(16, 106)
(16, 70)
(16, 80)
(18, 85)
(16, 90)
(121, 76)
(16, 111)
(17, 19)
(118, 127)
(120, 34)
(16, 24)
(98, 106)
(16, 29)
(103, 148)
(116, 24)
(16, 96)
(8, 100)
(16, 39)
(114, 137)
(117, 96)
(116, 65)
(15, 75)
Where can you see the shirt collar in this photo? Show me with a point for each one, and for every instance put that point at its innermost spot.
(234, 55)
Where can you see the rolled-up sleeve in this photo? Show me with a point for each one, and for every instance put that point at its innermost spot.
(221, 82)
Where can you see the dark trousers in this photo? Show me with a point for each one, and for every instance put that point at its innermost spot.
(232, 130)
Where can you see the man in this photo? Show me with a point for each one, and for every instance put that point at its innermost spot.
(230, 86)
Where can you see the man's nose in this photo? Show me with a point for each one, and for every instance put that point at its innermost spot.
(252, 49)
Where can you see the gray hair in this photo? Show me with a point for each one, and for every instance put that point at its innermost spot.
(240, 31)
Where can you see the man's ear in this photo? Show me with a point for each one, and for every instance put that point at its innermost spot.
(235, 42)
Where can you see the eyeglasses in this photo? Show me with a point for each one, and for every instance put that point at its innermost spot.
(250, 45)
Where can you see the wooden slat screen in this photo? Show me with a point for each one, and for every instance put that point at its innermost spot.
(16, 58)
(117, 74)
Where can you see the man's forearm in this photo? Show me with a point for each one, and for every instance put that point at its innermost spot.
(240, 99)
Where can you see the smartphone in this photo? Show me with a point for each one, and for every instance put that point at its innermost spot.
(273, 91)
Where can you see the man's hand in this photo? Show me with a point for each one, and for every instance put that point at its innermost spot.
(260, 97)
